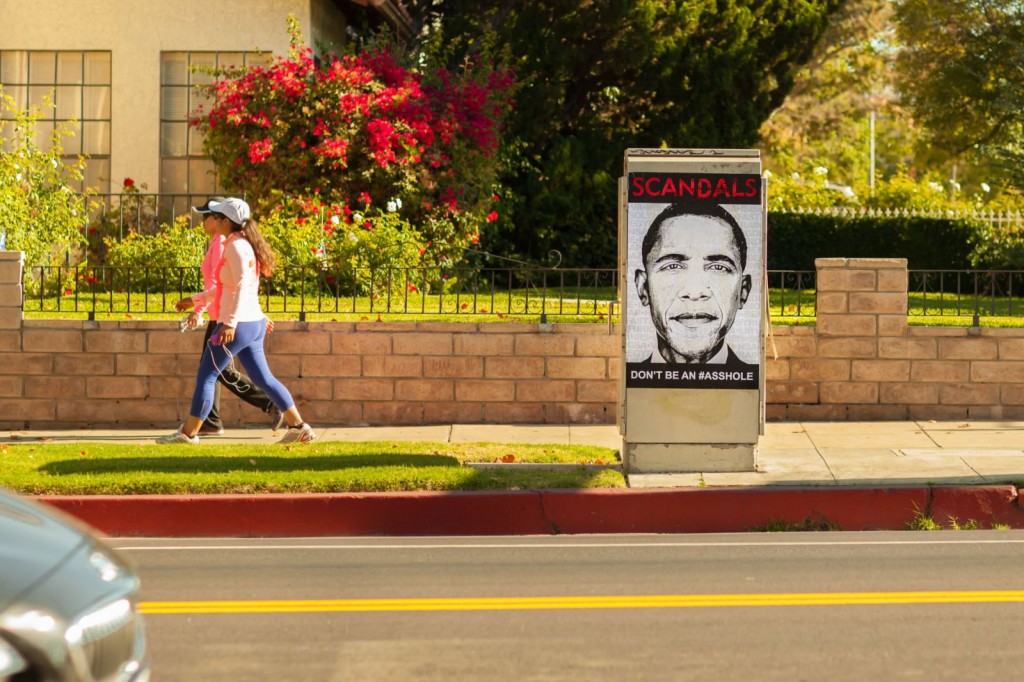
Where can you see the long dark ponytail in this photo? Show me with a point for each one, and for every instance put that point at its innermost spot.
(250, 230)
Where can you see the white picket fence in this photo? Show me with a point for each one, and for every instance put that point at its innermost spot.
(995, 218)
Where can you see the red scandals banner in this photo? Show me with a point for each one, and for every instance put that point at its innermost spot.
(719, 189)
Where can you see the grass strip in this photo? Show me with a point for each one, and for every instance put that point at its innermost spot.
(329, 467)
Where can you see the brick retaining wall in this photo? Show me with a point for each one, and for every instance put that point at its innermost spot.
(861, 362)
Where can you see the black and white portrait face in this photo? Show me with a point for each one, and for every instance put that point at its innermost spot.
(693, 280)
(695, 270)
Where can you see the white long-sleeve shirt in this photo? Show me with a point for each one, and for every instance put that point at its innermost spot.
(238, 282)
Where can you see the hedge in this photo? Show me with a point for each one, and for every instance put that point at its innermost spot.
(795, 240)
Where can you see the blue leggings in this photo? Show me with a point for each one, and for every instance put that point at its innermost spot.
(247, 346)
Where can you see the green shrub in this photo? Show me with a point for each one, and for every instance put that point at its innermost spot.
(41, 211)
(999, 248)
(795, 240)
(168, 259)
(132, 211)
(324, 246)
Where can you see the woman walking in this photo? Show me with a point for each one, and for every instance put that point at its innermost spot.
(209, 302)
(242, 325)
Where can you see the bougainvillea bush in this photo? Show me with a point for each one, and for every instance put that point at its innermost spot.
(388, 161)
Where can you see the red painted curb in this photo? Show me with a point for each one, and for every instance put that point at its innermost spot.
(726, 510)
(544, 512)
(464, 513)
(982, 504)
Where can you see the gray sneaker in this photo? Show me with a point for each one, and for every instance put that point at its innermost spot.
(298, 434)
(178, 437)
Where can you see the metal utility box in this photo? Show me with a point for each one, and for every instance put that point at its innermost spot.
(692, 232)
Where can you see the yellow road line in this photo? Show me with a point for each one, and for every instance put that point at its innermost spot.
(608, 602)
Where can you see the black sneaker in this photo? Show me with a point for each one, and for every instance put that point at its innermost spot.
(205, 430)
(276, 417)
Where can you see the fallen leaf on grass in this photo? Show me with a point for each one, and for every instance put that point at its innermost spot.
(508, 459)
(83, 453)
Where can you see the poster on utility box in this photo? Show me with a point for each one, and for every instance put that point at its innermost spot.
(694, 282)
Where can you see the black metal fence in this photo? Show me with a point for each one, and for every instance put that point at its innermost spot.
(791, 293)
(966, 293)
(118, 213)
(514, 292)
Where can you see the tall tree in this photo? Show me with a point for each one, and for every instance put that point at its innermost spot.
(960, 70)
(826, 119)
(599, 76)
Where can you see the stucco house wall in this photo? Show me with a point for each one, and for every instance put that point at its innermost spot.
(136, 32)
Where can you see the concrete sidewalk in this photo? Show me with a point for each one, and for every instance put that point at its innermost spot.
(846, 475)
(789, 454)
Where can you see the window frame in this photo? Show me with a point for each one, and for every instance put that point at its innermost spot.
(192, 159)
(55, 85)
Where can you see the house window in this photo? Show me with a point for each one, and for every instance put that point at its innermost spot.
(184, 168)
(77, 84)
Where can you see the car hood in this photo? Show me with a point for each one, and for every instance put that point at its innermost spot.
(32, 545)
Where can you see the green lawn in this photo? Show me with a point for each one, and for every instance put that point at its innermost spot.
(504, 307)
(328, 467)
(788, 307)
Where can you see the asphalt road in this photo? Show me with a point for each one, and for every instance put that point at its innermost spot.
(789, 606)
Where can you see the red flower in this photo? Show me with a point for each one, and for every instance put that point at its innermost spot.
(492, 216)
(260, 151)
(411, 287)
(128, 182)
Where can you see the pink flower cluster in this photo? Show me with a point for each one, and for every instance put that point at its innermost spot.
(260, 150)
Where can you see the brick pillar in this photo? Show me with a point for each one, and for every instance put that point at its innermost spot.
(11, 263)
(862, 296)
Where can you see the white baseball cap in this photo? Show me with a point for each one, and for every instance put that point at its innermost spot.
(235, 210)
